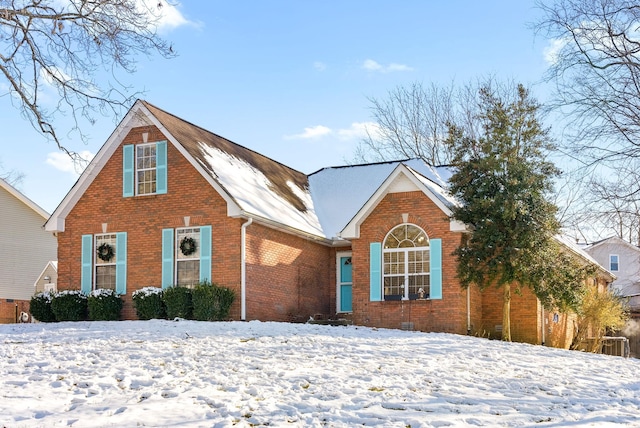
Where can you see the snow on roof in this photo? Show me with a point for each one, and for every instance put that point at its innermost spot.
(253, 192)
(573, 246)
(339, 192)
(438, 189)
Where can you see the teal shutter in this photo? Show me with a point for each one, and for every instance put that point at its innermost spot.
(435, 266)
(375, 275)
(161, 167)
(121, 263)
(167, 258)
(205, 253)
(87, 264)
(128, 161)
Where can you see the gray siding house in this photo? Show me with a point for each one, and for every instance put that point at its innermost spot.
(25, 248)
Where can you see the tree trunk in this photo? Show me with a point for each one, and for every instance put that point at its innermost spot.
(506, 313)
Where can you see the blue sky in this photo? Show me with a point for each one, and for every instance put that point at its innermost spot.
(290, 79)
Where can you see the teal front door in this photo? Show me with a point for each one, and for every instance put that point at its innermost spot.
(346, 285)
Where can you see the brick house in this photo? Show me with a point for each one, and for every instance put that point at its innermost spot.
(166, 202)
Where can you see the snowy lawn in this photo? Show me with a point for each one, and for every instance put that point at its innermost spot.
(197, 374)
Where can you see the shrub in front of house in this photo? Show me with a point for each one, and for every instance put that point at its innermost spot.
(149, 304)
(69, 305)
(104, 305)
(211, 302)
(178, 303)
(40, 307)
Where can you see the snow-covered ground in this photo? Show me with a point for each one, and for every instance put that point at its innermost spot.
(197, 374)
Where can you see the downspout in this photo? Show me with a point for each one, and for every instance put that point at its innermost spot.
(544, 321)
(243, 270)
(468, 311)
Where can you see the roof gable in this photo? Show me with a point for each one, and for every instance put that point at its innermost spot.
(614, 241)
(252, 184)
(403, 178)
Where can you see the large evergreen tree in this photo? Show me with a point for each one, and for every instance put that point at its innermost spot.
(503, 180)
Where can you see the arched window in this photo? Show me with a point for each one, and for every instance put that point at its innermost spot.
(405, 263)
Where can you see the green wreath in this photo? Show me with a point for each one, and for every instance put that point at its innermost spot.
(105, 252)
(188, 245)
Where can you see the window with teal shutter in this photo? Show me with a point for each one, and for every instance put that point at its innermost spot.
(86, 276)
(205, 253)
(436, 269)
(167, 258)
(127, 171)
(375, 276)
(121, 263)
(161, 167)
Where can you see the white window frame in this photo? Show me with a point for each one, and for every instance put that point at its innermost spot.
(98, 240)
(153, 183)
(181, 233)
(617, 263)
(399, 258)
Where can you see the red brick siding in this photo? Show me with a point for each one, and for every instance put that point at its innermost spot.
(10, 310)
(525, 315)
(288, 278)
(446, 315)
(144, 217)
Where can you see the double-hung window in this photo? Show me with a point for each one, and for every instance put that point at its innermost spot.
(406, 263)
(144, 169)
(614, 263)
(186, 256)
(104, 262)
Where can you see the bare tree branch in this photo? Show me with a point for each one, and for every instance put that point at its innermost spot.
(65, 47)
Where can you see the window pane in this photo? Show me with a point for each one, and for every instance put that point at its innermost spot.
(416, 282)
(394, 286)
(188, 244)
(105, 249)
(188, 272)
(106, 277)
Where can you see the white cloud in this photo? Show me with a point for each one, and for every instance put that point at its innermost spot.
(358, 130)
(313, 132)
(63, 162)
(166, 12)
(320, 66)
(552, 50)
(371, 65)
(374, 66)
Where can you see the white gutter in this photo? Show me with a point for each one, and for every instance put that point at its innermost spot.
(243, 269)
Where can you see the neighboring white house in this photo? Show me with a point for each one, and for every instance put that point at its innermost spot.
(623, 260)
(25, 247)
(48, 278)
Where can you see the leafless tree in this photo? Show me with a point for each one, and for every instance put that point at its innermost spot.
(12, 177)
(615, 210)
(75, 48)
(413, 121)
(596, 72)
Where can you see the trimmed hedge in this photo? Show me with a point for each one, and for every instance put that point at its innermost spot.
(69, 305)
(40, 307)
(104, 305)
(149, 304)
(211, 302)
(178, 303)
